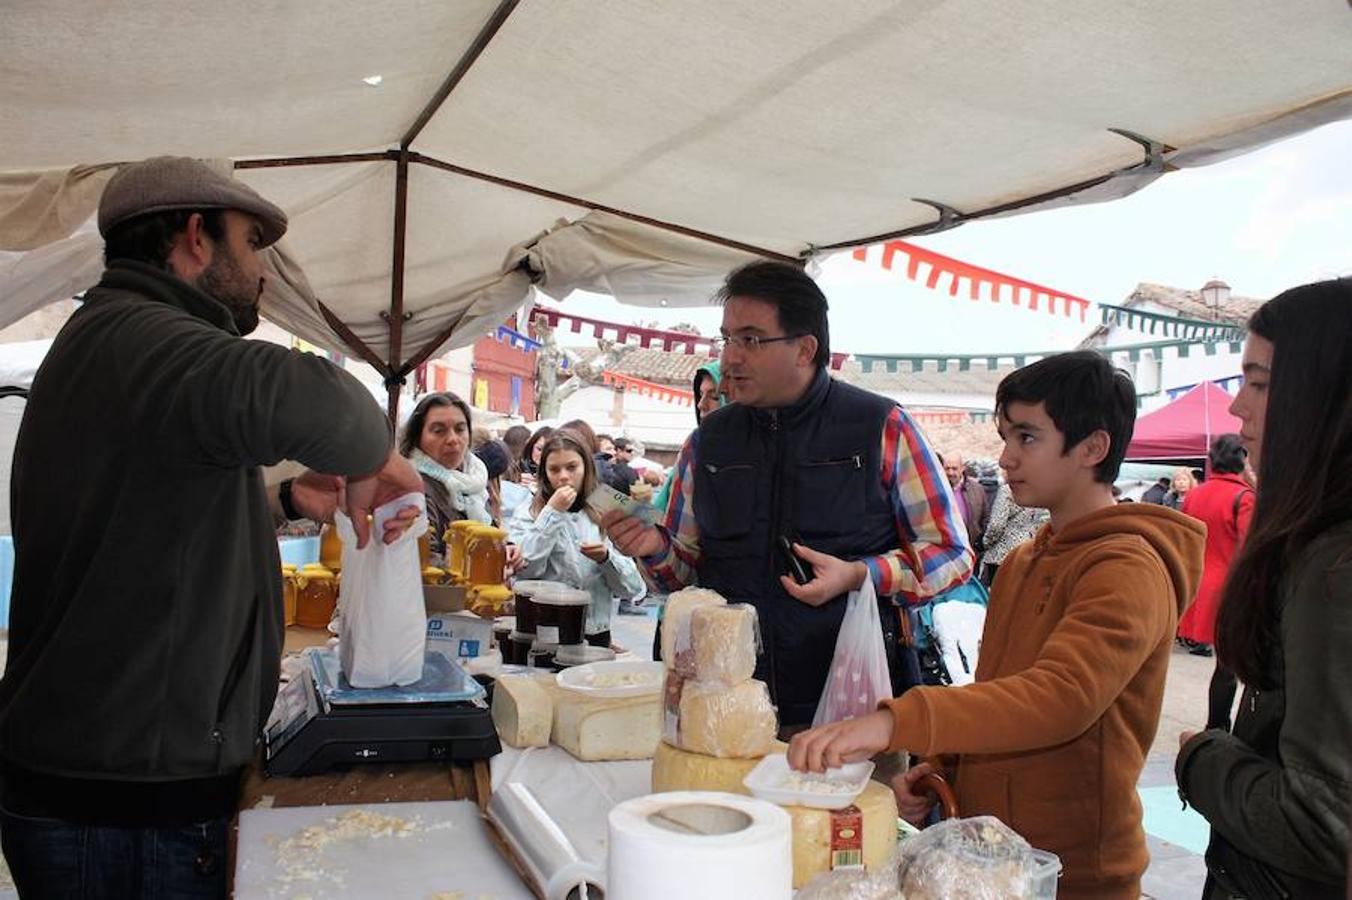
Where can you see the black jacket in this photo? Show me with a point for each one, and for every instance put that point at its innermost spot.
(146, 621)
(1278, 790)
(809, 472)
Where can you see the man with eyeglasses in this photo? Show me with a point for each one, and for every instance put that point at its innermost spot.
(842, 476)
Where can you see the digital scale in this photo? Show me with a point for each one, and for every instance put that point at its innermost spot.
(320, 721)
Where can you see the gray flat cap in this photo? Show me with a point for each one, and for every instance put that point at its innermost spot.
(176, 182)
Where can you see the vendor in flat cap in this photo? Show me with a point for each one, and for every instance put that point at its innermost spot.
(146, 619)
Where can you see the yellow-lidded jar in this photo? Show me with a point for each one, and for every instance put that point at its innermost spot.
(330, 549)
(457, 537)
(485, 556)
(433, 575)
(489, 600)
(316, 595)
(288, 594)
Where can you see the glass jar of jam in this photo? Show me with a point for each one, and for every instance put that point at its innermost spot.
(456, 537)
(316, 596)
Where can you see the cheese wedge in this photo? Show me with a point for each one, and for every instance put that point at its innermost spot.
(593, 729)
(522, 712)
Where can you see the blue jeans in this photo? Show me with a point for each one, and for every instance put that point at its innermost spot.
(49, 858)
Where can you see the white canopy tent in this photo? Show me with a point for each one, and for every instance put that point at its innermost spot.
(635, 147)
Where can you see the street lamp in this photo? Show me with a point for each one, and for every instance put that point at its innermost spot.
(1215, 293)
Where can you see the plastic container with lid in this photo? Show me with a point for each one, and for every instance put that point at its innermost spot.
(485, 556)
(541, 656)
(570, 655)
(316, 595)
(502, 631)
(523, 590)
(561, 615)
(456, 536)
(517, 649)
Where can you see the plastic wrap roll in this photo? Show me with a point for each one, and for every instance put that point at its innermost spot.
(699, 844)
(550, 861)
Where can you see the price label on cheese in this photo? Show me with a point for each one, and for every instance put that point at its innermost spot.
(605, 498)
(847, 838)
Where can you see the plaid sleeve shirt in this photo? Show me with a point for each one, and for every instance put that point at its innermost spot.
(932, 555)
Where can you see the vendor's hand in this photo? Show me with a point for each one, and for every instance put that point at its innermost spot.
(832, 577)
(914, 808)
(597, 553)
(1184, 737)
(315, 495)
(514, 560)
(631, 535)
(831, 746)
(562, 499)
(362, 495)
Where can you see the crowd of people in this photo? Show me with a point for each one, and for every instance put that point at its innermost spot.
(138, 677)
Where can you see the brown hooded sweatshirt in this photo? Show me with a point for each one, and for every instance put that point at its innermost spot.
(1054, 733)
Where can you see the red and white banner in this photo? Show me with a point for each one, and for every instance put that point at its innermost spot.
(632, 385)
(1015, 290)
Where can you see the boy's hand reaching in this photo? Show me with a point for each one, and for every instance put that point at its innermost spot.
(914, 808)
(831, 746)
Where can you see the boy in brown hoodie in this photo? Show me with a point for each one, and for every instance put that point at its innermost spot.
(1053, 735)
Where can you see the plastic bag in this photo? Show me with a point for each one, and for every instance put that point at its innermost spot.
(383, 632)
(959, 626)
(713, 719)
(858, 680)
(973, 859)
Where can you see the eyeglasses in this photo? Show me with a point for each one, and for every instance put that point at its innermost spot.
(752, 342)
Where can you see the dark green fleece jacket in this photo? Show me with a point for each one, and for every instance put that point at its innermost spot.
(146, 622)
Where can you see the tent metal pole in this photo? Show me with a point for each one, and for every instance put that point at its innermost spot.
(394, 376)
(360, 347)
(588, 204)
(471, 56)
(278, 162)
(430, 347)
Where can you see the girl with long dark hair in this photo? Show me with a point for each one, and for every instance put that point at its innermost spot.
(560, 539)
(1276, 790)
(437, 441)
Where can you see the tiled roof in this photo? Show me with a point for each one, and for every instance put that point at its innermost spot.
(659, 366)
(974, 440)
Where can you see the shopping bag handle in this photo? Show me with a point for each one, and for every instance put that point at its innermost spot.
(936, 784)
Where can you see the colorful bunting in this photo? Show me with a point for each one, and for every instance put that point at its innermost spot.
(999, 285)
(1170, 326)
(632, 385)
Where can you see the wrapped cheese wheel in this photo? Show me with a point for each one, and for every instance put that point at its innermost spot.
(725, 640)
(677, 653)
(827, 839)
(727, 722)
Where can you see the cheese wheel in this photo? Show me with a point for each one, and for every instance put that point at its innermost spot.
(677, 654)
(522, 712)
(593, 729)
(723, 721)
(680, 770)
(812, 833)
(724, 641)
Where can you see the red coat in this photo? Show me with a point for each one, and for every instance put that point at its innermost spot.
(1227, 521)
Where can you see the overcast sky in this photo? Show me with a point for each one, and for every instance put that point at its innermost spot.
(1269, 220)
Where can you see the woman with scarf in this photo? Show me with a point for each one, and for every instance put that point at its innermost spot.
(437, 441)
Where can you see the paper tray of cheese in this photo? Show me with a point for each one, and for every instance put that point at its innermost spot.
(613, 679)
(773, 780)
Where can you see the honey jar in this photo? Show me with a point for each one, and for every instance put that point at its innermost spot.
(288, 594)
(489, 600)
(330, 549)
(316, 596)
(456, 537)
(485, 556)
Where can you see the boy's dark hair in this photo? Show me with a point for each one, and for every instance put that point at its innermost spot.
(149, 238)
(1082, 393)
(1228, 455)
(801, 304)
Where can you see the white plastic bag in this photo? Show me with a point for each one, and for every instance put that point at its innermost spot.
(858, 680)
(383, 632)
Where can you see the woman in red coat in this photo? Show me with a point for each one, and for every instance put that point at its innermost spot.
(1225, 503)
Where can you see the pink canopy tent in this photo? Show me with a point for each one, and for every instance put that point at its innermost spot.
(1185, 428)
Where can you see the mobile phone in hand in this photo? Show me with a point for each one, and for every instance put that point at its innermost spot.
(797, 569)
